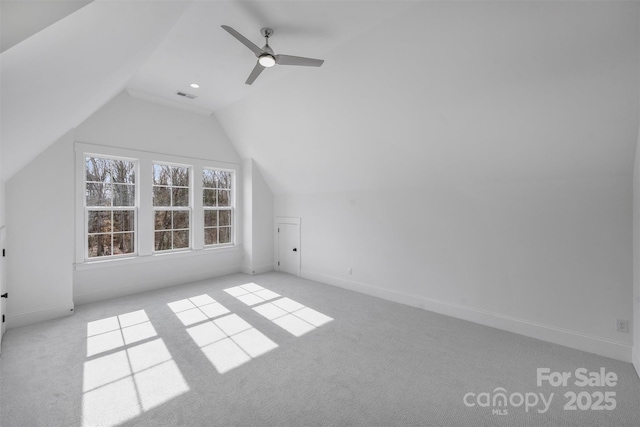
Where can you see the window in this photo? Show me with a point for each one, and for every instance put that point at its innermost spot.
(133, 206)
(217, 200)
(110, 206)
(171, 206)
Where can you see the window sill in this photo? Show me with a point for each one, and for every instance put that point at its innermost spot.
(140, 259)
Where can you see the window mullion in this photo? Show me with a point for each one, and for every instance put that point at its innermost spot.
(145, 217)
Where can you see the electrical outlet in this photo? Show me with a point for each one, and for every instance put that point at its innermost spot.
(350, 271)
(622, 325)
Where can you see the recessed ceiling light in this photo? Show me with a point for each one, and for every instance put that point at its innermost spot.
(195, 85)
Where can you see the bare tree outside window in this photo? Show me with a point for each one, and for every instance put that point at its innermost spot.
(217, 202)
(172, 208)
(110, 204)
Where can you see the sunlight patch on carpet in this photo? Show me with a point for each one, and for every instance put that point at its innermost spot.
(293, 317)
(226, 340)
(229, 342)
(197, 309)
(251, 294)
(113, 332)
(141, 375)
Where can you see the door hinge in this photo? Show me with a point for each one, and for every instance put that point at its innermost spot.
(278, 262)
(278, 230)
(3, 252)
(3, 318)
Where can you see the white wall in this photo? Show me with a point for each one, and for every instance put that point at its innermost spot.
(548, 259)
(635, 327)
(42, 277)
(247, 216)
(2, 267)
(40, 224)
(262, 223)
(258, 220)
(132, 123)
(2, 195)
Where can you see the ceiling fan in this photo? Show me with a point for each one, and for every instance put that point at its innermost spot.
(266, 57)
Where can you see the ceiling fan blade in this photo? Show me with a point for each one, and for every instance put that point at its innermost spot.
(298, 60)
(245, 41)
(255, 73)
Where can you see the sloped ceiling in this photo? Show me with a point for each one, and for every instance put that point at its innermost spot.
(20, 19)
(198, 50)
(58, 77)
(411, 93)
(455, 92)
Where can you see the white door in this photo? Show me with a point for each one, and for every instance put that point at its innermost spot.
(3, 287)
(289, 248)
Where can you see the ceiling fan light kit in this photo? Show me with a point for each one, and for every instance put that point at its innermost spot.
(266, 57)
(267, 60)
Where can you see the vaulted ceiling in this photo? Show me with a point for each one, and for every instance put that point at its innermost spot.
(411, 93)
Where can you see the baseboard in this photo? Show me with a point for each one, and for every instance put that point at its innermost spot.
(636, 359)
(107, 294)
(564, 337)
(36, 316)
(257, 269)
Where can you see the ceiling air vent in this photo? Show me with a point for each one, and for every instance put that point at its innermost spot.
(186, 95)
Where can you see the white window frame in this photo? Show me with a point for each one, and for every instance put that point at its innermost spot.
(188, 208)
(231, 208)
(111, 208)
(144, 232)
